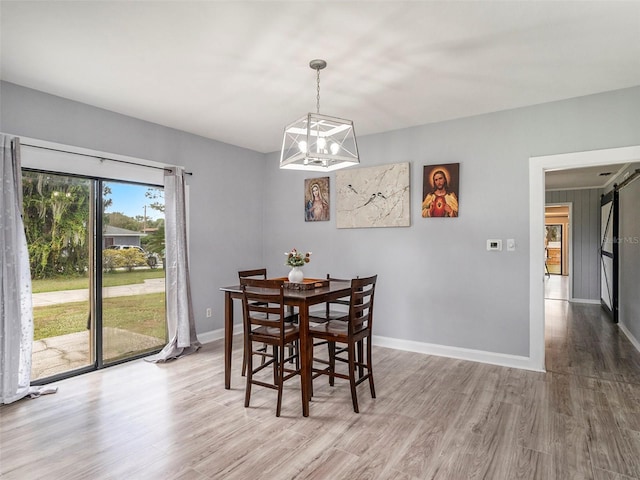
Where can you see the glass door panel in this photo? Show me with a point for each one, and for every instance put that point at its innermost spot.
(133, 281)
(554, 244)
(85, 316)
(57, 218)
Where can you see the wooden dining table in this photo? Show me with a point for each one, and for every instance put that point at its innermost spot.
(300, 299)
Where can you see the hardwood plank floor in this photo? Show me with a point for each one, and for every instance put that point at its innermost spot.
(434, 418)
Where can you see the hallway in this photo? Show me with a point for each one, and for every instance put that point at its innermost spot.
(556, 287)
(581, 340)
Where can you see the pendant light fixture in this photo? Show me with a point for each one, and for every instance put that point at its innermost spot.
(319, 142)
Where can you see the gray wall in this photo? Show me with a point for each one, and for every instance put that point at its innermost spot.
(225, 215)
(585, 239)
(437, 284)
(629, 248)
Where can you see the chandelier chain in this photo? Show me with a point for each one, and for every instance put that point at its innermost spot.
(318, 90)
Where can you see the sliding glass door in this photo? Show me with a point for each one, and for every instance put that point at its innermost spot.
(133, 303)
(96, 255)
(58, 212)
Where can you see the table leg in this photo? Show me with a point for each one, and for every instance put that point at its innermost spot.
(228, 338)
(305, 363)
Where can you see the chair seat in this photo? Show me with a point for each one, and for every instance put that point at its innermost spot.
(333, 328)
(328, 313)
(321, 316)
(288, 318)
(289, 330)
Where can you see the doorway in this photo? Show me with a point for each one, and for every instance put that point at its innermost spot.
(557, 234)
(557, 253)
(93, 306)
(537, 168)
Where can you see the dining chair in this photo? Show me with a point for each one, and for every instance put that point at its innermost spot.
(259, 273)
(289, 315)
(265, 322)
(355, 330)
(341, 313)
(329, 313)
(256, 273)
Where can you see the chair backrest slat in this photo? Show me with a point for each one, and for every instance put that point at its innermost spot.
(263, 303)
(361, 308)
(340, 301)
(256, 272)
(273, 283)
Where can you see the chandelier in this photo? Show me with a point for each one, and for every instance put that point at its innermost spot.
(319, 142)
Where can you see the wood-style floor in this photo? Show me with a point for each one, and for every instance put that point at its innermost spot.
(434, 418)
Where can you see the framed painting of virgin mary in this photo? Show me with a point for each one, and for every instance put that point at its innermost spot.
(316, 199)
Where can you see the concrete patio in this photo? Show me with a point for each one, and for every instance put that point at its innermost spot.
(67, 352)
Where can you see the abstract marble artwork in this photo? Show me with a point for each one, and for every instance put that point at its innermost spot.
(373, 196)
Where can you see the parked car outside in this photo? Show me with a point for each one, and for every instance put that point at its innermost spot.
(152, 258)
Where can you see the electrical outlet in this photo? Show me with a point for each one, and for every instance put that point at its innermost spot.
(209, 312)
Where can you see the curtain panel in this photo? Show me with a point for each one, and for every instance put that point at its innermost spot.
(180, 317)
(16, 313)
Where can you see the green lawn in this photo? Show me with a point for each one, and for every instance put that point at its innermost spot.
(144, 314)
(112, 279)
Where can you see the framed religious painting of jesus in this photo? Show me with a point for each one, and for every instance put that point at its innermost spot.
(440, 190)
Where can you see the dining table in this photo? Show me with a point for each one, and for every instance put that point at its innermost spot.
(301, 299)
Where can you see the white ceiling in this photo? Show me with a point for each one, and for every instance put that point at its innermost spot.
(237, 71)
(601, 176)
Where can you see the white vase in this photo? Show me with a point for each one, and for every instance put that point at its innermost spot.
(296, 275)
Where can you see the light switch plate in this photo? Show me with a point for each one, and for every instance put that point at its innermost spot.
(494, 244)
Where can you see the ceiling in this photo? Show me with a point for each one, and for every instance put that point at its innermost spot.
(587, 177)
(237, 71)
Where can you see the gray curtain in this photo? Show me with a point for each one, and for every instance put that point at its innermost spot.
(16, 313)
(180, 319)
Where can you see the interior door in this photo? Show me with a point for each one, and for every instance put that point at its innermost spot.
(609, 254)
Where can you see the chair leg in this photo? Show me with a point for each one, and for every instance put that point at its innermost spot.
(244, 359)
(244, 362)
(246, 351)
(360, 359)
(370, 369)
(263, 349)
(275, 364)
(290, 312)
(280, 361)
(352, 375)
(249, 359)
(331, 346)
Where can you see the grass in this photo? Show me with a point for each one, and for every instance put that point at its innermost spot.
(144, 314)
(111, 279)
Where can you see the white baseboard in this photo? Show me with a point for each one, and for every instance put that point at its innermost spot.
(634, 341)
(213, 335)
(501, 359)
